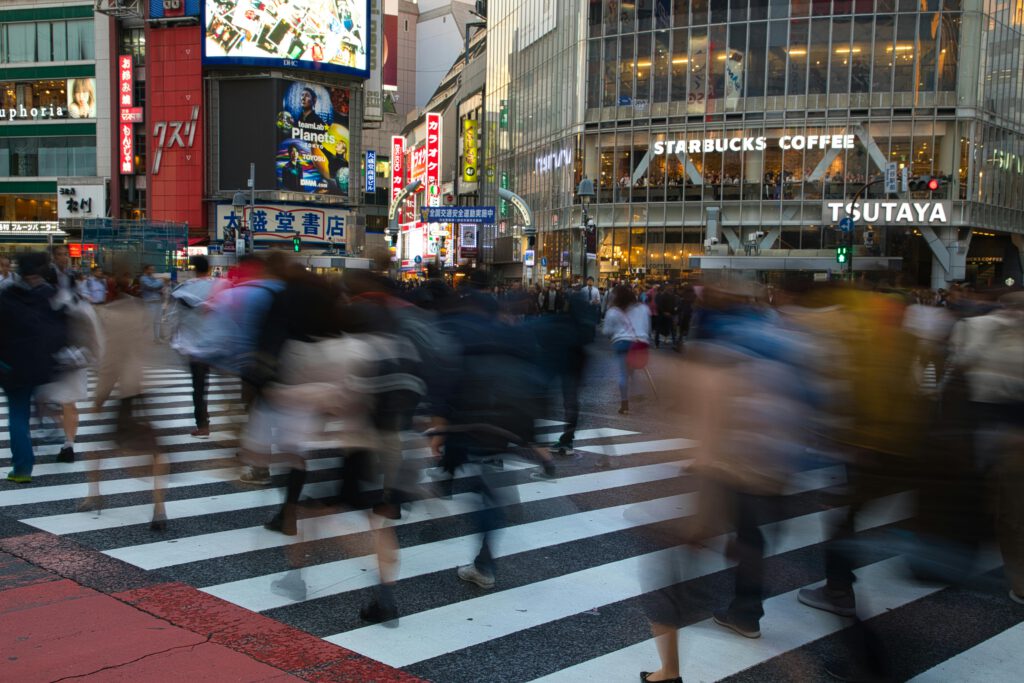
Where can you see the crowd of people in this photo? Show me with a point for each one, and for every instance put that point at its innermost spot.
(903, 390)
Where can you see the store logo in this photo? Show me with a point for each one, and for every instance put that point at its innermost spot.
(890, 213)
(169, 134)
(547, 162)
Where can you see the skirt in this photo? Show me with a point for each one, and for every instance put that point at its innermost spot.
(69, 386)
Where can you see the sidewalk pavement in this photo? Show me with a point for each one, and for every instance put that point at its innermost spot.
(68, 612)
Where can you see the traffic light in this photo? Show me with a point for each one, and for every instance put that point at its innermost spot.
(842, 253)
(925, 183)
(296, 244)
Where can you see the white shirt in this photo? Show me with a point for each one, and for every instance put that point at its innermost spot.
(632, 325)
(593, 295)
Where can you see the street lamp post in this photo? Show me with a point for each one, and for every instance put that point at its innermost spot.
(238, 202)
(585, 191)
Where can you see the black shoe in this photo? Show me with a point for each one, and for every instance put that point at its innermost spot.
(158, 523)
(67, 454)
(644, 677)
(375, 614)
(286, 524)
(747, 630)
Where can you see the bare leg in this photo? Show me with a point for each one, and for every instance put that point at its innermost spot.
(69, 421)
(666, 639)
(160, 470)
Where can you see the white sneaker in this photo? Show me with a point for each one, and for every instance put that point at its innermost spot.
(256, 476)
(473, 575)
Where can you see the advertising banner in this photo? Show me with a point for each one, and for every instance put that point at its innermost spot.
(331, 35)
(461, 214)
(313, 139)
(470, 150)
(81, 201)
(390, 56)
(173, 9)
(696, 98)
(433, 181)
(82, 97)
(373, 98)
(467, 240)
(283, 222)
(126, 145)
(733, 79)
(371, 171)
(175, 121)
(397, 165)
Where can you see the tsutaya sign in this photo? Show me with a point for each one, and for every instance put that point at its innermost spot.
(890, 212)
(751, 144)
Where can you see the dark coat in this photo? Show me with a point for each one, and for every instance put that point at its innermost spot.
(31, 332)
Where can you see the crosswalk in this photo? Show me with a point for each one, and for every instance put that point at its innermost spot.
(576, 556)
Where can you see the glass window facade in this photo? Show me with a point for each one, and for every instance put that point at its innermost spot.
(48, 156)
(901, 77)
(47, 41)
(28, 207)
(39, 95)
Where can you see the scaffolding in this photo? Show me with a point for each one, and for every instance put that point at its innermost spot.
(122, 244)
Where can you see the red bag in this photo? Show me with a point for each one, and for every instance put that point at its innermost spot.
(637, 355)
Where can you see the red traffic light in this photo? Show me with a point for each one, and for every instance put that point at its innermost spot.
(933, 184)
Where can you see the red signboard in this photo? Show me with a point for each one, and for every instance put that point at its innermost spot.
(124, 81)
(433, 181)
(174, 122)
(127, 149)
(131, 115)
(397, 165)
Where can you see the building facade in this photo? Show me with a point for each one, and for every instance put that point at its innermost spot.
(735, 134)
(54, 119)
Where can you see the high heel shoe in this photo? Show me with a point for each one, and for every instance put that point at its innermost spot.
(92, 504)
(645, 674)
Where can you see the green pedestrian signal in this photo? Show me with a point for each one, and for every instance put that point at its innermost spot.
(296, 244)
(842, 254)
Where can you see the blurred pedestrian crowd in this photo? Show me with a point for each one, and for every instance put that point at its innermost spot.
(904, 391)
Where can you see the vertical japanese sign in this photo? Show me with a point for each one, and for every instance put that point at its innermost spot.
(371, 171)
(434, 159)
(397, 165)
(470, 145)
(125, 100)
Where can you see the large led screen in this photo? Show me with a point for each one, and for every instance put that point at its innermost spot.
(328, 35)
(313, 139)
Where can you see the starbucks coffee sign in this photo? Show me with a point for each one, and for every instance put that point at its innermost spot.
(889, 212)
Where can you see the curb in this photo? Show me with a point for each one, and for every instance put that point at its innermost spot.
(248, 633)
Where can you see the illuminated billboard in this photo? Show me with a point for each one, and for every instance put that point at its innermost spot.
(313, 139)
(330, 35)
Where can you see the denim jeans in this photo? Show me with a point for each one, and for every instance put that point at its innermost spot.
(19, 409)
(620, 348)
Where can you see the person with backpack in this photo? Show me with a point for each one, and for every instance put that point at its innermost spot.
(187, 318)
(564, 340)
(32, 333)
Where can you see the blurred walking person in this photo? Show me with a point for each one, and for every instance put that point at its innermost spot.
(152, 289)
(187, 319)
(125, 321)
(628, 323)
(33, 331)
(989, 350)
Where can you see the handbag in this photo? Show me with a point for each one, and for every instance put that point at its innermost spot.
(638, 352)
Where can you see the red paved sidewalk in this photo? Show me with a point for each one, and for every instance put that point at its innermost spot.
(128, 626)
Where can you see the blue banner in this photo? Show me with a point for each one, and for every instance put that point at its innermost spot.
(461, 214)
(371, 171)
(171, 9)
